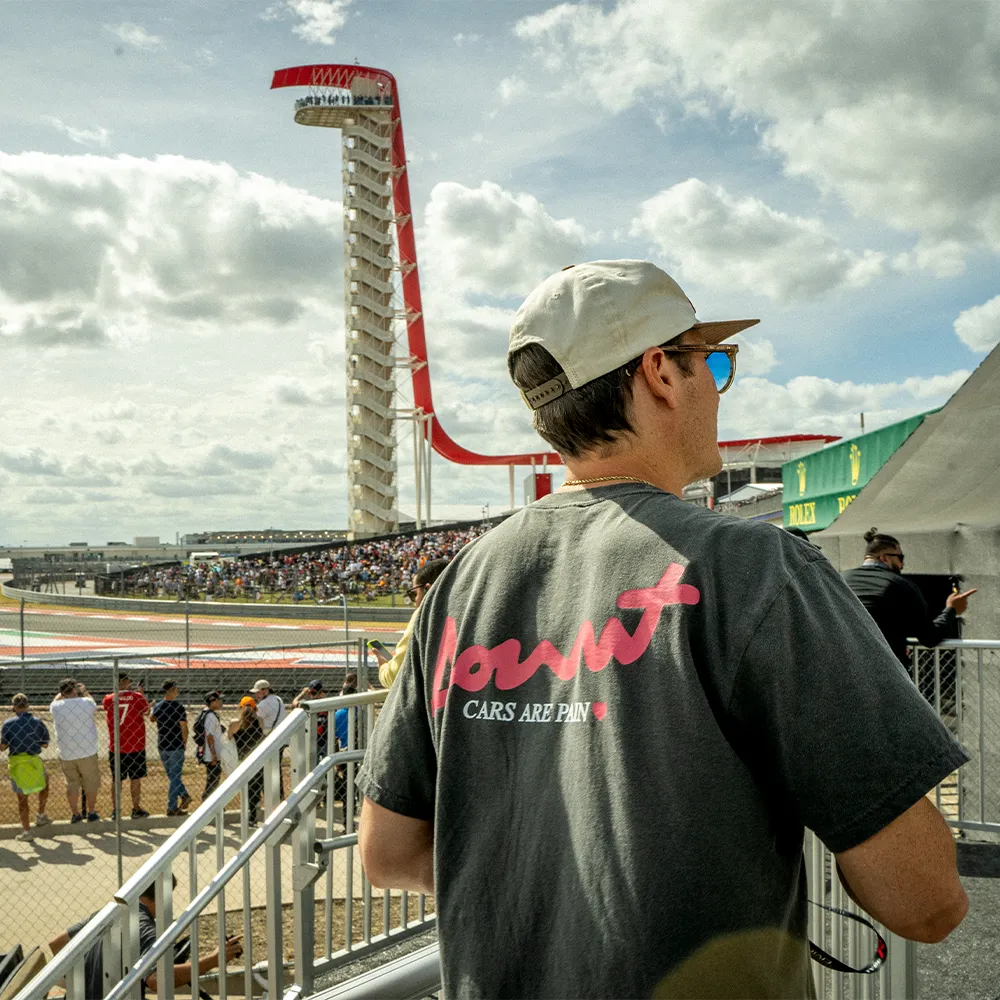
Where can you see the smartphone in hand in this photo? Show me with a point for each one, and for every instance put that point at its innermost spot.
(380, 648)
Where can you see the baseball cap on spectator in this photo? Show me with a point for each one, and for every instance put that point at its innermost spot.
(596, 317)
(168, 686)
(124, 677)
(213, 696)
(261, 685)
(316, 685)
(247, 700)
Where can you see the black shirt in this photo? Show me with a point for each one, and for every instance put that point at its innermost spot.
(168, 716)
(899, 609)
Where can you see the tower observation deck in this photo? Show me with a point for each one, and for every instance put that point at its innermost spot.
(381, 290)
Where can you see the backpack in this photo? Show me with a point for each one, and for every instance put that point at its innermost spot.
(199, 731)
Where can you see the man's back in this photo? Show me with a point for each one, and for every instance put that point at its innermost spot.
(632, 716)
(132, 709)
(76, 728)
(898, 608)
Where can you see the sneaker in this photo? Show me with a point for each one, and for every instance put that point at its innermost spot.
(25, 835)
(114, 815)
(176, 812)
(42, 820)
(139, 814)
(94, 817)
(185, 801)
(76, 818)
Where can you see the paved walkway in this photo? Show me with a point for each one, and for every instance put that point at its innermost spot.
(67, 873)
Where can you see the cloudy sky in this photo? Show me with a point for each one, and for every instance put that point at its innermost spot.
(171, 312)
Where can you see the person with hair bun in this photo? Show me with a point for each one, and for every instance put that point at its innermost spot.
(896, 604)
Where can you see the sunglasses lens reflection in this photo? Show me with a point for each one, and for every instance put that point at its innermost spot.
(721, 367)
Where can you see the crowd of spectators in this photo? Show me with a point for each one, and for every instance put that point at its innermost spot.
(365, 570)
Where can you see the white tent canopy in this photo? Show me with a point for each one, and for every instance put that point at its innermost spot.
(939, 495)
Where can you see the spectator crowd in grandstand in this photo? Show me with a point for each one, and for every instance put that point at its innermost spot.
(365, 569)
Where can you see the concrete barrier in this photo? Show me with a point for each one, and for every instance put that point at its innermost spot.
(320, 612)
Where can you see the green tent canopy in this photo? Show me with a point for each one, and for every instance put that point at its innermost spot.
(818, 487)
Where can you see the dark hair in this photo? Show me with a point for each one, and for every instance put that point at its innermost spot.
(583, 419)
(350, 685)
(876, 544)
(168, 686)
(429, 572)
(150, 891)
(67, 685)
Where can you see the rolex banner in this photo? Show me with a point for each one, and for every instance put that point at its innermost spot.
(818, 487)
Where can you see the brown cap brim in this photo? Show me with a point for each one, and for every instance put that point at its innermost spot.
(715, 333)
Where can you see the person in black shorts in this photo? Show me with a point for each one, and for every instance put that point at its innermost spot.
(132, 711)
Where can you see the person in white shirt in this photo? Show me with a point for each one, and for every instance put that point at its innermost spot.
(270, 708)
(212, 753)
(73, 713)
(270, 711)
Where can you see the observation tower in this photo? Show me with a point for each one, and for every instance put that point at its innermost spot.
(381, 293)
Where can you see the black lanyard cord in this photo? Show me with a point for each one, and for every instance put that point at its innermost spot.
(828, 961)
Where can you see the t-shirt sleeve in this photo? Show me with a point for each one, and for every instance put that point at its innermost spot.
(43, 732)
(400, 768)
(827, 719)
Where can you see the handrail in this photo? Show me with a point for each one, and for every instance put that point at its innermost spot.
(116, 924)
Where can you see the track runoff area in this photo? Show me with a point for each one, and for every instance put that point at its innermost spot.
(53, 633)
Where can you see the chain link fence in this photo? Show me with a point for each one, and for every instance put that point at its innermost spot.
(68, 840)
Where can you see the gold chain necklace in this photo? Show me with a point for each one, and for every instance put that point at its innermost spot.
(606, 479)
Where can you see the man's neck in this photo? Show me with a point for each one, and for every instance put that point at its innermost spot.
(623, 468)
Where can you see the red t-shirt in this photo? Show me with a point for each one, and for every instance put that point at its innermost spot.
(132, 708)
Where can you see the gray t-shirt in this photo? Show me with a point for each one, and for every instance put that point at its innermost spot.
(620, 710)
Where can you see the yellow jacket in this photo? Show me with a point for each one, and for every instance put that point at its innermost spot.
(387, 671)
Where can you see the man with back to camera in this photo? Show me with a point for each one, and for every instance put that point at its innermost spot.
(619, 711)
(132, 711)
(388, 666)
(896, 604)
(74, 717)
(170, 717)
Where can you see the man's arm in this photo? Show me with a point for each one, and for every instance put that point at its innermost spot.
(906, 876)
(389, 670)
(184, 730)
(397, 851)
(182, 971)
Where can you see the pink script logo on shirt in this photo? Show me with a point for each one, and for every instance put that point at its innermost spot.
(472, 669)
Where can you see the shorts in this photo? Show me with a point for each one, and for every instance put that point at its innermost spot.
(82, 772)
(133, 764)
(17, 791)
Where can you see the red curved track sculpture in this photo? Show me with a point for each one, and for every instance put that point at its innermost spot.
(341, 76)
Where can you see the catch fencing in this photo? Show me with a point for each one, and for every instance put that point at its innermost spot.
(288, 896)
(96, 836)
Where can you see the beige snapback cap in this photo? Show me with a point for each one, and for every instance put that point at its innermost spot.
(595, 317)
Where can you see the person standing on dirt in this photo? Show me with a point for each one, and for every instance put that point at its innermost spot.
(132, 711)
(24, 737)
(73, 715)
(246, 732)
(170, 717)
(211, 755)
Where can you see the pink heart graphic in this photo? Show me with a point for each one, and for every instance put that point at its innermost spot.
(600, 709)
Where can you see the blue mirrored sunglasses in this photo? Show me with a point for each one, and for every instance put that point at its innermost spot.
(720, 358)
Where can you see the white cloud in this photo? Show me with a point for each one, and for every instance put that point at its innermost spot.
(895, 113)
(85, 137)
(979, 327)
(135, 36)
(512, 87)
(490, 241)
(717, 240)
(96, 249)
(465, 39)
(808, 404)
(318, 19)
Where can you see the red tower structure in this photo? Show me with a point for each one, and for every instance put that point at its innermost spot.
(347, 97)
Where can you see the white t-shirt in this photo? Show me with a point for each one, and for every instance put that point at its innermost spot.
(76, 732)
(213, 728)
(270, 711)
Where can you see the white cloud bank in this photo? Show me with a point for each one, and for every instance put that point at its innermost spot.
(979, 327)
(716, 239)
(891, 107)
(97, 249)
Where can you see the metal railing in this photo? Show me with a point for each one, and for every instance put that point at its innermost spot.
(293, 857)
(961, 679)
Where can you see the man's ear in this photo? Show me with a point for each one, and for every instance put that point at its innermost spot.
(660, 375)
